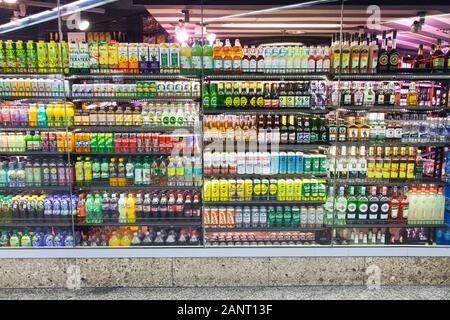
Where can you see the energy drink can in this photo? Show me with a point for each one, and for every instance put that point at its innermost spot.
(274, 162)
(287, 214)
(299, 162)
(319, 216)
(238, 217)
(295, 216)
(222, 217)
(298, 189)
(214, 217)
(215, 190)
(314, 189)
(322, 189)
(306, 190)
(232, 191)
(271, 216)
(207, 217)
(264, 189)
(307, 164)
(322, 164)
(224, 196)
(247, 217)
(256, 189)
(283, 162)
(281, 190)
(255, 217)
(289, 190)
(311, 216)
(240, 189)
(230, 214)
(315, 164)
(290, 162)
(303, 216)
(279, 214)
(263, 217)
(248, 189)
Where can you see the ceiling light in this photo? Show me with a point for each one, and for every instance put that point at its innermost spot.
(10, 1)
(280, 25)
(211, 37)
(84, 25)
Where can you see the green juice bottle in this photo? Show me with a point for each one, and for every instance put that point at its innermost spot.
(207, 58)
(196, 57)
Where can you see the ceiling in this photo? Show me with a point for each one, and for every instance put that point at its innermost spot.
(392, 17)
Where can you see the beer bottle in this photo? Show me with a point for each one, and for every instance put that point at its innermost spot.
(236, 95)
(259, 95)
(267, 96)
(228, 95)
(275, 103)
(252, 95)
(244, 95)
(221, 94)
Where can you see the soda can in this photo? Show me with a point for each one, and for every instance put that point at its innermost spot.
(279, 214)
(291, 163)
(238, 217)
(264, 195)
(94, 142)
(230, 215)
(248, 189)
(271, 217)
(322, 164)
(109, 144)
(307, 164)
(299, 162)
(319, 216)
(215, 190)
(273, 189)
(255, 217)
(262, 216)
(289, 190)
(295, 216)
(303, 216)
(287, 216)
(297, 189)
(148, 138)
(240, 189)
(101, 147)
(315, 164)
(314, 189)
(283, 162)
(311, 216)
(156, 142)
(207, 217)
(117, 142)
(223, 189)
(306, 189)
(247, 217)
(214, 217)
(256, 189)
(232, 191)
(125, 143)
(169, 143)
(140, 142)
(132, 143)
(222, 217)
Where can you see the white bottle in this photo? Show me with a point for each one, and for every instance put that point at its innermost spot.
(122, 205)
(249, 162)
(241, 163)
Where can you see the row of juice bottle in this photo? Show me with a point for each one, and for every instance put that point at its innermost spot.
(129, 208)
(37, 238)
(29, 207)
(31, 87)
(46, 141)
(157, 171)
(263, 217)
(138, 236)
(37, 173)
(36, 115)
(138, 89)
(106, 114)
(231, 190)
(135, 142)
(265, 163)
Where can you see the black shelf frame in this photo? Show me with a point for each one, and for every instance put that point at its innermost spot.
(135, 187)
(263, 111)
(264, 202)
(265, 229)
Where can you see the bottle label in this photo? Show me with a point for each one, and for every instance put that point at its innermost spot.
(218, 65)
(252, 65)
(185, 62)
(393, 59)
(405, 211)
(260, 66)
(237, 65)
(245, 65)
(394, 212)
(207, 62)
(345, 60)
(373, 208)
(384, 60)
(438, 62)
(196, 62)
(227, 65)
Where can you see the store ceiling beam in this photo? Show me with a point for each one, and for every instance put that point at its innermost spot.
(54, 5)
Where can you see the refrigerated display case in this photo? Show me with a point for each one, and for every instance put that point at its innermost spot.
(322, 134)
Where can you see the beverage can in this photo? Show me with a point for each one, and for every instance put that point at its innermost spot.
(307, 163)
(207, 217)
(289, 190)
(248, 193)
(287, 216)
(224, 190)
(283, 163)
(246, 217)
(298, 189)
(271, 217)
(238, 217)
(273, 189)
(295, 216)
(230, 215)
(279, 215)
(215, 190)
(232, 189)
(264, 194)
(101, 142)
(257, 189)
(255, 217)
(94, 142)
(281, 190)
(240, 189)
(299, 163)
(214, 216)
(315, 164)
(303, 216)
(311, 216)
(222, 217)
(306, 190)
(291, 163)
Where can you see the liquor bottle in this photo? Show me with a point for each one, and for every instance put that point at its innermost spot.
(358, 94)
(403, 212)
(326, 59)
(275, 102)
(341, 207)
(429, 58)
(418, 170)
(383, 55)
(362, 206)
(314, 136)
(411, 97)
(410, 168)
(394, 56)
(311, 60)
(371, 163)
(253, 59)
(438, 57)
(353, 165)
(346, 54)
(336, 54)
(292, 130)
(355, 52)
(245, 59)
(394, 207)
(390, 94)
(373, 54)
(342, 164)
(403, 164)
(384, 205)
(267, 96)
(374, 205)
(419, 60)
(352, 206)
(369, 95)
(284, 130)
(447, 60)
(380, 94)
(260, 63)
(244, 96)
(363, 129)
(347, 96)
(329, 207)
(379, 164)
(319, 59)
(362, 165)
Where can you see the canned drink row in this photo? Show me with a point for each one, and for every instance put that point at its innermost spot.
(263, 216)
(264, 189)
(263, 238)
(264, 163)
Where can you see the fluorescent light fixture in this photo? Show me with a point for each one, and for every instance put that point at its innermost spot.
(10, 1)
(84, 25)
(283, 26)
(65, 10)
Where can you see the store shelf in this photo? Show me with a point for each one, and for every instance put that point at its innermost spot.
(262, 202)
(267, 176)
(130, 76)
(132, 188)
(33, 128)
(121, 154)
(382, 183)
(33, 153)
(34, 98)
(404, 74)
(133, 98)
(266, 229)
(264, 111)
(393, 108)
(31, 188)
(381, 225)
(36, 224)
(5, 73)
(391, 144)
(300, 75)
(126, 129)
(254, 146)
(152, 222)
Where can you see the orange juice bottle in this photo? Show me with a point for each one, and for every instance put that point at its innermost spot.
(70, 112)
(218, 57)
(237, 56)
(50, 113)
(227, 57)
(32, 115)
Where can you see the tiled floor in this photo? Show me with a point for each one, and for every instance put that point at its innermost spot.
(253, 293)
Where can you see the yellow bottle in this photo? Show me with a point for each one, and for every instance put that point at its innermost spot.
(50, 113)
(114, 241)
(59, 115)
(131, 209)
(125, 241)
(32, 115)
